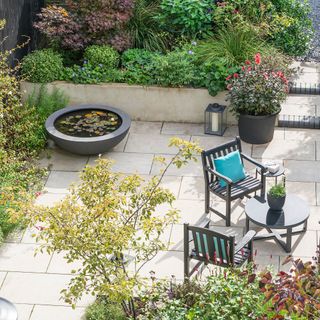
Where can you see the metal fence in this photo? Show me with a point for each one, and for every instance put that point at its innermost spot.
(19, 16)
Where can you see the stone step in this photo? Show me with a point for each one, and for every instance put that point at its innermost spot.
(300, 111)
(294, 121)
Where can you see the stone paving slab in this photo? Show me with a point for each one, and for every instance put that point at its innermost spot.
(20, 257)
(49, 199)
(305, 135)
(121, 146)
(36, 288)
(299, 110)
(24, 311)
(165, 265)
(60, 181)
(192, 169)
(303, 245)
(145, 127)
(183, 128)
(3, 274)
(302, 99)
(56, 313)
(305, 190)
(314, 219)
(302, 171)
(151, 143)
(296, 150)
(128, 163)
(209, 142)
(59, 265)
(192, 188)
(61, 160)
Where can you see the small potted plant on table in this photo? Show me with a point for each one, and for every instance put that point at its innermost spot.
(276, 196)
(255, 95)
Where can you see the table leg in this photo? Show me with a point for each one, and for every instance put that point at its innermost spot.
(247, 224)
(289, 240)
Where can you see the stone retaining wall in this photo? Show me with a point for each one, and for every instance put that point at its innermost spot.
(141, 103)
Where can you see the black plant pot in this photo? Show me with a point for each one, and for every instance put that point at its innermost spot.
(276, 203)
(257, 129)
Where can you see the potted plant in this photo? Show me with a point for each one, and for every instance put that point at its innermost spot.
(255, 95)
(276, 196)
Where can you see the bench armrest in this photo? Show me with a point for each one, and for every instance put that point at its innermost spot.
(245, 240)
(256, 163)
(219, 175)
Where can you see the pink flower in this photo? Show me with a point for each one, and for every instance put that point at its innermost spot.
(257, 58)
(37, 194)
(266, 76)
(228, 78)
(229, 86)
(249, 69)
(247, 62)
(280, 74)
(243, 68)
(235, 75)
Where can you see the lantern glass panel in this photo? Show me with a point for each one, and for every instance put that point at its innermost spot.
(215, 119)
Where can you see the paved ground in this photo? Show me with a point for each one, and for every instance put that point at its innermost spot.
(34, 283)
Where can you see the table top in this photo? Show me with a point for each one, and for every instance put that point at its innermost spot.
(274, 174)
(295, 212)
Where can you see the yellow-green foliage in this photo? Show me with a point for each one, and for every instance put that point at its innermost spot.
(20, 142)
(106, 219)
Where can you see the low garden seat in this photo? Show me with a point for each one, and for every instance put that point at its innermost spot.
(211, 247)
(231, 190)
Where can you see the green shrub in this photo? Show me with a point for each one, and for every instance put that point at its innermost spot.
(291, 26)
(103, 56)
(144, 28)
(175, 69)
(20, 178)
(233, 45)
(92, 75)
(228, 295)
(138, 66)
(41, 104)
(102, 310)
(187, 17)
(42, 66)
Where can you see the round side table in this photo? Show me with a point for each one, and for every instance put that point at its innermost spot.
(275, 175)
(294, 213)
(7, 310)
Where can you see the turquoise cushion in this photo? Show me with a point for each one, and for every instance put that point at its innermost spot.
(230, 166)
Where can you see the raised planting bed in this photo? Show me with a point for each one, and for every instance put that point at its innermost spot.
(88, 129)
(141, 103)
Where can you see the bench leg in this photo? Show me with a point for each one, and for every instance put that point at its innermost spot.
(207, 200)
(228, 213)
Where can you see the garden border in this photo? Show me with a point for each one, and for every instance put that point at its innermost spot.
(150, 103)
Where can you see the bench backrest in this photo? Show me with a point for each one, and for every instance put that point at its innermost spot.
(211, 246)
(208, 156)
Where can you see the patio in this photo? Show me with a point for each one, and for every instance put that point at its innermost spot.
(33, 283)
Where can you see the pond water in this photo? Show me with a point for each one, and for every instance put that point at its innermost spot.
(88, 123)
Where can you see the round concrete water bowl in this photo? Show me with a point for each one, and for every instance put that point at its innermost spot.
(88, 145)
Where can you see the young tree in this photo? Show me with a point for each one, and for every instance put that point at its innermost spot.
(107, 219)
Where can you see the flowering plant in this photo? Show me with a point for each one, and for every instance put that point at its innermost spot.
(258, 89)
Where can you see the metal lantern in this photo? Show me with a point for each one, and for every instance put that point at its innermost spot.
(215, 119)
